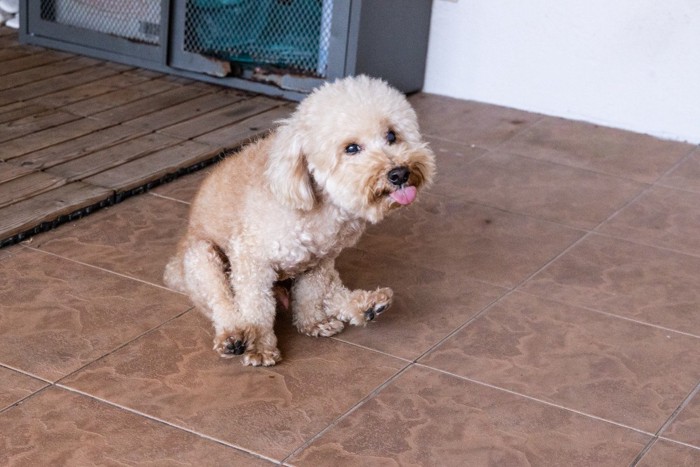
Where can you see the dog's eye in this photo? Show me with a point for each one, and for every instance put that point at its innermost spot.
(352, 149)
(390, 137)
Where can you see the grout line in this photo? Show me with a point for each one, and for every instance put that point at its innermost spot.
(169, 424)
(24, 399)
(459, 328)
(650, 245)
(123, 344)
(26, 373)
(509, 292)
(157, 195)
(551, 404)
(517, 133)
(360, 346)
(347, 413)
(677, 164)
(680, 442)
(684, 403)
(612, 315)
(101, 269)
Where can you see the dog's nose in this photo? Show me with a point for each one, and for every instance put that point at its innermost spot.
(398, 175)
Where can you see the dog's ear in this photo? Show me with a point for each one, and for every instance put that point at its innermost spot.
(287, 170)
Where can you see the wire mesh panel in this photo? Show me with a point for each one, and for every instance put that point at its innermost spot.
(137, 20)
(289, 34)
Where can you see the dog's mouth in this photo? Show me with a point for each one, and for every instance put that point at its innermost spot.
(404, 195)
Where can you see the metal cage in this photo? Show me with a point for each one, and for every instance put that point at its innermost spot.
(288, 34)
(137, 20)
(277, 47)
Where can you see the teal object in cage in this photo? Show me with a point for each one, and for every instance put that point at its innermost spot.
(282, 33)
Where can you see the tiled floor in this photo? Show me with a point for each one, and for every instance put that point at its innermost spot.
(547, 312)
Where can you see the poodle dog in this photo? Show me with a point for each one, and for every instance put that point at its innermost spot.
(285, 206)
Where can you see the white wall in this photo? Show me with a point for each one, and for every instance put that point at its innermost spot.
(632, 64)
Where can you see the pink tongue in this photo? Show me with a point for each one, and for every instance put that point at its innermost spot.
(404, 195)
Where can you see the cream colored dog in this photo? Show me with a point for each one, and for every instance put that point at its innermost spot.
(285, 206)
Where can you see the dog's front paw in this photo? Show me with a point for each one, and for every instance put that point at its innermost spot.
(255, 345)
(262, 357)
(326, 328)
(370, 305)
(228, 346)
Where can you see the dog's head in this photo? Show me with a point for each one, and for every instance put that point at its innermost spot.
(354, 143)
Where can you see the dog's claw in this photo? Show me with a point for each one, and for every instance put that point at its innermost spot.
(236, 347)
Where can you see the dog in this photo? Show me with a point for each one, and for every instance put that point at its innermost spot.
(286, 205)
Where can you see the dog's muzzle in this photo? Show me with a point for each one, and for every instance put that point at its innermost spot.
(398, 176)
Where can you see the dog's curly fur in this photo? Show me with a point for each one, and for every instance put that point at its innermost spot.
(286, 205)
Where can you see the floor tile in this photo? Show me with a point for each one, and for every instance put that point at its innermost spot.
(686, 176)
(606, 150)
(686, 427)
(57, 427)
(626, 372)
(9, 251)
(666, 453)
(469, 122)
(135, 238)
(635, 281)
(662, 217)
(471, 240)
(452, 160)
(429, 418)
(554, 192)
(184, 188)
(428, 304)
(173, 374)
(56, 315)
(16, 386)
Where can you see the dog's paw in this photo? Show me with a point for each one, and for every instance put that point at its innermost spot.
(229, 346)
(262, 357)
(375, 311)
(326, 328)
(257, 347)
(371, 305)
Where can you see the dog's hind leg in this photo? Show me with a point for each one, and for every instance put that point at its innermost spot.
(204, 277)
(308, 298)
(330, 303)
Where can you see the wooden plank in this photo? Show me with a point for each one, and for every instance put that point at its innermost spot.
(198, 126)
(10, 171)
(78, 147)
(21, 78)
(27, 186)
(154, 166)
(10, 53)
(186, 110)
(85, 91)
(120, 97)
(58, 82)
(242, 132)
(150, 104)
(33, 123)
(46, 207)
(112, 156)
(45, 138)
(19, 110)
(31, 61)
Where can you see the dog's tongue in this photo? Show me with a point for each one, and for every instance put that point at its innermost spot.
(404, 195)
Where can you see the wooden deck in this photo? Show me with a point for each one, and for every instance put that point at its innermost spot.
(77, 134)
